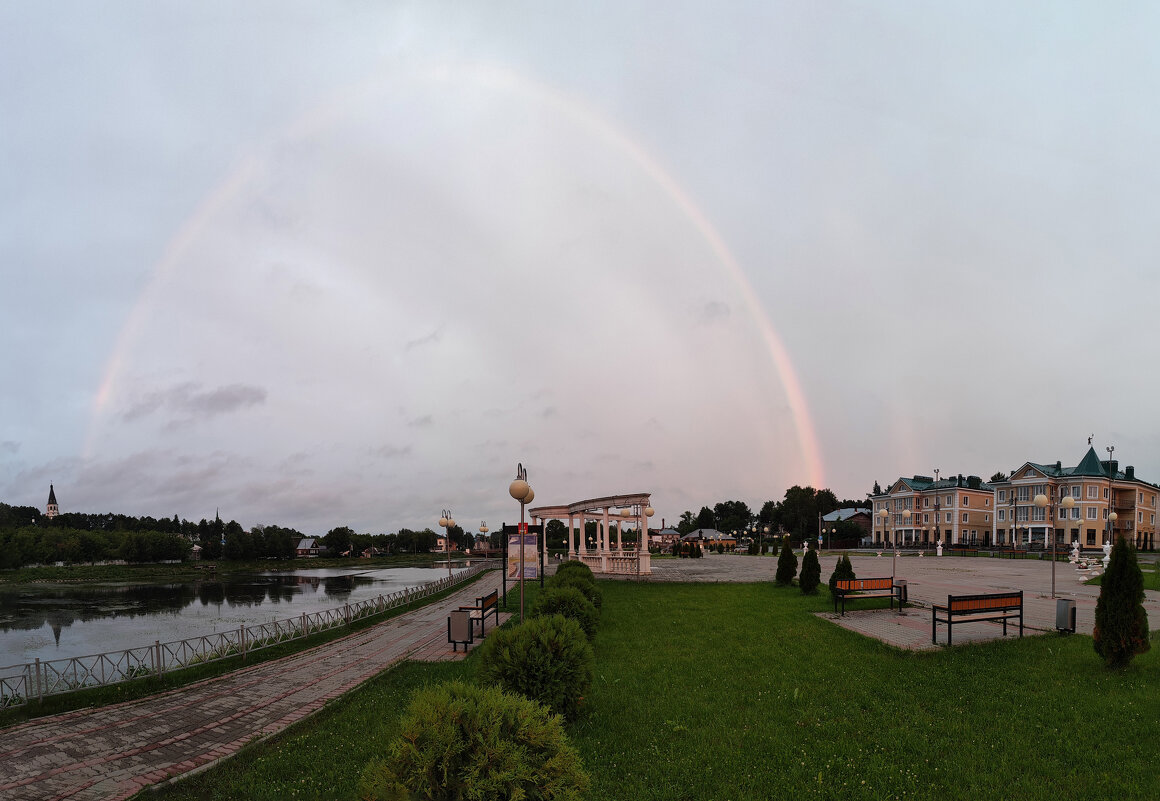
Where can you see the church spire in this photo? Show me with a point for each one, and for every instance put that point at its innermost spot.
(52, 510)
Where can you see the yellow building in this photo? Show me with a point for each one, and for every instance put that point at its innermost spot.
(922, 511)
(1107, 502)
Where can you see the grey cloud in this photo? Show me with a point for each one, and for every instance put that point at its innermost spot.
(425, 421)
(549, 411)
(391, 452)
(189, 402)
(429, 339)
(9, 446)
(714, 311)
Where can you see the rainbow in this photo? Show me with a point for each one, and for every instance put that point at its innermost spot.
(495, 78)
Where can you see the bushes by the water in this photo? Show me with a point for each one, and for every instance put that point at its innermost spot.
(547, 659)
(460, 741)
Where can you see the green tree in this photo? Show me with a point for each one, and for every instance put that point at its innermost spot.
(1121, 630)
(999, 476)
(811, 575)
(705, 518)
(786, 564)
(338, 540)
(844, 570)
(732, 516)
(687, 523)
(556, 536)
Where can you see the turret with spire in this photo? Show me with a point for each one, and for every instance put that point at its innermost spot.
(53, 510)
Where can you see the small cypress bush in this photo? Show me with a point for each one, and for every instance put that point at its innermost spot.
(571, 603)
(586, 586)
(460, 741)
(843, 570)
(811, 575)
(1121, 630)
(786, 565)
(547, 659)
(579, 568)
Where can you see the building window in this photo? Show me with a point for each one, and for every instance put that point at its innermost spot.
(1002, 515)
(949, 518)
(1038, 515)
(1002, 496)
(986, 501)
(964, 517)
(1091, 536)
(1021, 513)
(1091, 514)
(950, 500)
(926, 503)
(1024, 494)
(1139, 517)
(1092, 491)
(1075, 491)
(926, 518)
(1105, 493)
(966, 500)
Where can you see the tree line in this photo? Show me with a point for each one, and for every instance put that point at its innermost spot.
(797, 514)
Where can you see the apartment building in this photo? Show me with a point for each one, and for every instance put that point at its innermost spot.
(922, 511)
(1105, 503)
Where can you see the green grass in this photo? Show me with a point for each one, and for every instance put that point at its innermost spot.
(1149, 570)
(737, 691)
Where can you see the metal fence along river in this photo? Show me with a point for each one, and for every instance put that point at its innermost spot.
(19, 683)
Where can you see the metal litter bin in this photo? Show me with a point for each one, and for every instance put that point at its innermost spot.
(1065, 615)
(900, 590)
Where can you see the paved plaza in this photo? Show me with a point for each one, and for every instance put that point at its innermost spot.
(112, 752)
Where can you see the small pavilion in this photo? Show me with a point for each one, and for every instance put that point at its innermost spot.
(604, 558)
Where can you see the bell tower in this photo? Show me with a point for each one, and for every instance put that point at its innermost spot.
(53, 510)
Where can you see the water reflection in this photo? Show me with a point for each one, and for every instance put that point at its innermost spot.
(105, 617)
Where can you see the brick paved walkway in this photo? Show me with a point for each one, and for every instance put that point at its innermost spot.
(112, 752)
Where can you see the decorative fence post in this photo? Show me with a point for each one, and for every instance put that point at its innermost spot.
(39, 689)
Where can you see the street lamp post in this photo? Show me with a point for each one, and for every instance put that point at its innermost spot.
(447, 522)
(882, 515)
(522, 491)
(1042, 501)
(483, 530)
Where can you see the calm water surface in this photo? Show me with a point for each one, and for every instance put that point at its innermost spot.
(55, 621)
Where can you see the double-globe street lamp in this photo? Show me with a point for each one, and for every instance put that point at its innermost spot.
(447, 522)
(1042, 501)
(522, 491)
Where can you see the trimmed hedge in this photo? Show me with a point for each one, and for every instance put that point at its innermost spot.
(547, 659)
(586, 586)
(460, 741)
(579, 568)
(571, 603)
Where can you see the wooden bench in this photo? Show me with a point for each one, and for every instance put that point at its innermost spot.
(488, 604)
(1017, 552)
(1002, 606)
(856, 589)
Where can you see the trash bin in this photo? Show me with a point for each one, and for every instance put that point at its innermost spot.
(900, 590)
(1065, 615)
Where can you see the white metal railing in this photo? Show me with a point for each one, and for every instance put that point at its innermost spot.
(19, 683)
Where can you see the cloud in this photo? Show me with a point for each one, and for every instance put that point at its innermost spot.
(425, 421)
(391, 452)
(9, 446)
(714, 311)
(190, 403)
(430, 339)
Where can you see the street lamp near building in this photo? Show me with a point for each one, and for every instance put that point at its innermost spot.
(522, 491)
(447, 522)
(1042, 501)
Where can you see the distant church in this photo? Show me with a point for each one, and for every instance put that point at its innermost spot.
(53, 510)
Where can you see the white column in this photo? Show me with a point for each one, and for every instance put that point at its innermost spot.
(571, 537)
(604, 541)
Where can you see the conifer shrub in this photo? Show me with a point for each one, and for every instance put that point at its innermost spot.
(811, 575)
(547, 659)
(579, 568)
(786, 565)
(571, 603)
(842, 571)
(460, 741)
(585, 585)
(1121, 630)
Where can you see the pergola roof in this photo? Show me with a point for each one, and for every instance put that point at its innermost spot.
(589, 506)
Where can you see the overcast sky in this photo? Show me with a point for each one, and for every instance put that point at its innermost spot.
(327, 263)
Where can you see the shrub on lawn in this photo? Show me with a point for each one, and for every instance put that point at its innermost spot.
(547, 659)
(576, 567)
(843, 570)
(786, 565)
(586, 586)
(811, 575)
(460, 741)
(1121, 629)
(571, 603)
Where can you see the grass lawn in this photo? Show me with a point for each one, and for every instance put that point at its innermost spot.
(737, 691)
